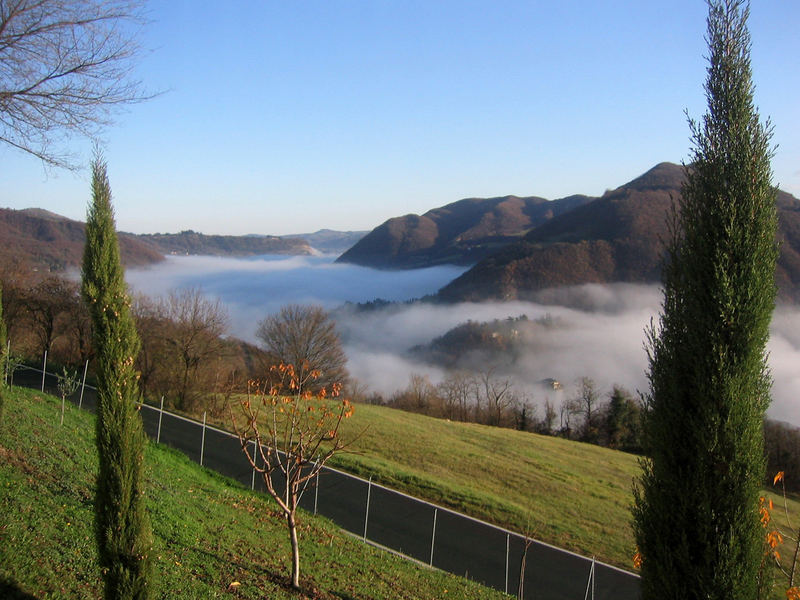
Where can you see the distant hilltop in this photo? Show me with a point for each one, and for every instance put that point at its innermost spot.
(50, 242)
(193, 243)
(329, 241)
(460, 233)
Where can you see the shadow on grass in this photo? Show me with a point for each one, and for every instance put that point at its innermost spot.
(10, 591)
(307, 587)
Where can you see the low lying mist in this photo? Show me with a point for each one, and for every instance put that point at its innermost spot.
(598, 331)
(252, 288)
(602, 341)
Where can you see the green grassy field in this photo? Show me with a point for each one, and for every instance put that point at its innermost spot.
(573, 495)
(569, 494)
(209, 532)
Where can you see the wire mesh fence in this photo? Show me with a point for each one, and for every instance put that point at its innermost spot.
(414, 528)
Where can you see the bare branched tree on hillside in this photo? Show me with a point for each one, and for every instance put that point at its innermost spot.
(457, 392)
(65, 66)
(305, 336)
(496, 395)
(45, 304)
(587, 399)
(194, 333)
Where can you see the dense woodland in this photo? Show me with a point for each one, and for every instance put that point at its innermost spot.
(188, 358)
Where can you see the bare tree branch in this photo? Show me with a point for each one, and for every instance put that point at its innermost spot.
(65, 68)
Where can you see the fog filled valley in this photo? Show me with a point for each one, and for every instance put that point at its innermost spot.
(586, 331)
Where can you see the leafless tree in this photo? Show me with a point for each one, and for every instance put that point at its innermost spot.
(65, 66)
(587, 399)
(45, 303)
(151, 324)
(548, 421)
(567, 412)
(78, 328)
(498, 396)
(196, 326)
(306, 337)
(456, 392)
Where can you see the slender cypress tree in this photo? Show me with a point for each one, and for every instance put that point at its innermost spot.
(122, 526)
(696, 505)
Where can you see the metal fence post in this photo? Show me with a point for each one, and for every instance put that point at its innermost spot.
(203, 439)
(508, 550)
(83, 384)
(366, 514)
(160, 414)
(316, 487)
(44, 369)
(433, 534)
(255, 460)
(590, 583)
(5, 366)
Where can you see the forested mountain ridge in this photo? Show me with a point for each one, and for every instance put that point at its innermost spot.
(615, 238)
(461, 233)
(195, 243)
(50, 242)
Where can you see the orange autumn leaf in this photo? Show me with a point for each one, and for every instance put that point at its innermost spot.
(637, 561)
(774, 538)
(793, 593)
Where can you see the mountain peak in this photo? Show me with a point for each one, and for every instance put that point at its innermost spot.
(663, 175)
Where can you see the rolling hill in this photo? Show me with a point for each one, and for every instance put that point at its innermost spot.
(615, 238)
(330, 241)
(46, 241)
(50, 242)
(459, 233)
(193, 243)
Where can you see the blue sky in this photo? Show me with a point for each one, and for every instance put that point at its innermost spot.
(287, 117)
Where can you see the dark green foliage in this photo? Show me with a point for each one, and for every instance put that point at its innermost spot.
(122, 526)
(623, 421)
(695, 514)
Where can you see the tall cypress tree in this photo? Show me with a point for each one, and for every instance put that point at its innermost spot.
(696, 505)
(122, 527)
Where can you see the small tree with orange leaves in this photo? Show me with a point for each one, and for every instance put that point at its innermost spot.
(290, 434)
(775, 536)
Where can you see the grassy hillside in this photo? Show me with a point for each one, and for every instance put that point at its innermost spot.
(573, 495)
(570, 494)
(209, 532)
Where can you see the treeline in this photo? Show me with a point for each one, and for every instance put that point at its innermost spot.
(611, 419)
(185, 354)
